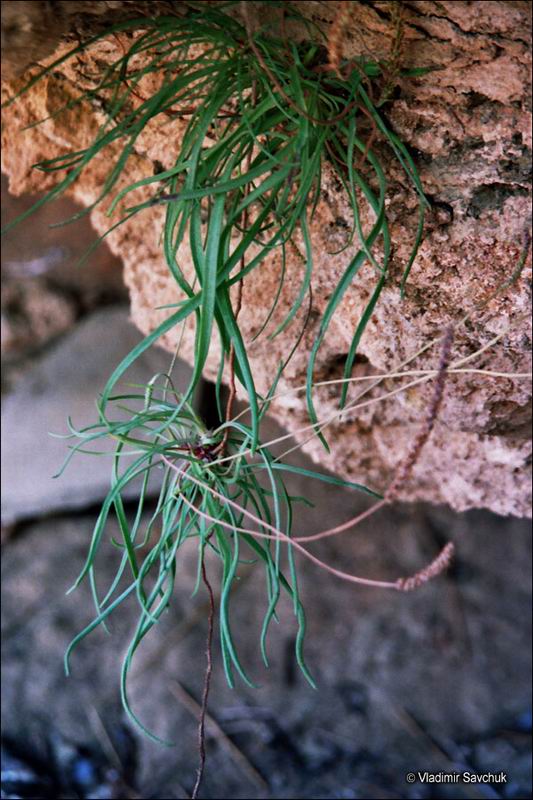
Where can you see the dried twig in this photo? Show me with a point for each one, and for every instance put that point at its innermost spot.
(237, 755)
(207, 683)
(405, 468)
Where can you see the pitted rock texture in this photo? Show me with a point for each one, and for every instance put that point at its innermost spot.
(468, 126)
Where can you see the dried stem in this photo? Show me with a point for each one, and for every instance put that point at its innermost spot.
(405, 468)
(399, 585)
(207, 683)
(336, 37)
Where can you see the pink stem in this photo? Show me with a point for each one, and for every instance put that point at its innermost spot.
(276, 534)
(401, 584)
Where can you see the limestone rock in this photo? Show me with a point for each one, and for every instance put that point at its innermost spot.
(468, 125)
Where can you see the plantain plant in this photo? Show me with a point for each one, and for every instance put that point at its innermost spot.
(276, 110)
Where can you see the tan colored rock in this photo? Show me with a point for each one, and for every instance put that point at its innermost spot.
(468, 123)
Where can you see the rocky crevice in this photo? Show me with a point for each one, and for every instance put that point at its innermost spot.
(468, 126)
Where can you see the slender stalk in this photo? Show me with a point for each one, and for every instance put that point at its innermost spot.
(207, 683)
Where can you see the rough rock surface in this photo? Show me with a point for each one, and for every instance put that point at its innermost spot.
(468, 125)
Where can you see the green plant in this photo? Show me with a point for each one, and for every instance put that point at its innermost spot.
(276, 112)
(289, 114)
(203, 498)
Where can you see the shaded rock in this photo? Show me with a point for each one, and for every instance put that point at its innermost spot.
(44, 290)
(32, 315)
(65, 382)
(53, 252)
(414, 695)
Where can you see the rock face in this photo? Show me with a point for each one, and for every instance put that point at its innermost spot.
(468, 125)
